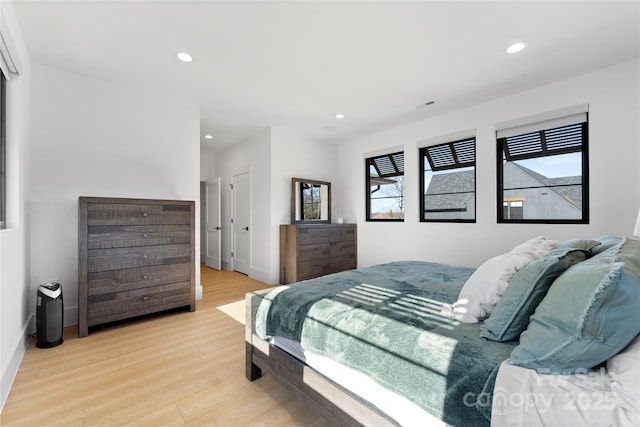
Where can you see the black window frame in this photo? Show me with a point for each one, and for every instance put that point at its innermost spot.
(456, 161)
(3, 153)
(584, 150)
(394, 169)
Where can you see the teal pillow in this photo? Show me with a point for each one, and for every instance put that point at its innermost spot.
(606, 242)
(528, 287)
(591, 312)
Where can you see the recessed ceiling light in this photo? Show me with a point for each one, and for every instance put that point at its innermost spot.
(184, 57)
(208, 136)
(516, 47)
(339, 116)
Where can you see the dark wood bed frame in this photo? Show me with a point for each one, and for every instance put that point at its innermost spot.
(326, 398)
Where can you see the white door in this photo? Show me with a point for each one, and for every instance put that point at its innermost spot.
(213, 225)
(240, 217)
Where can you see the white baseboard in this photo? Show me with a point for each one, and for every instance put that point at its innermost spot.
(17, 354)
(265, 276)
(70, 316)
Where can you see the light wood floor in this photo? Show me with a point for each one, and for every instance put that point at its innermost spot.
(171, 370)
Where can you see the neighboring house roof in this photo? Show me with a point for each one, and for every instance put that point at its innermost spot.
(568, 187)
(450, 191)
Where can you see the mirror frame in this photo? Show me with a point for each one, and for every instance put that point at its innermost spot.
(294, 194)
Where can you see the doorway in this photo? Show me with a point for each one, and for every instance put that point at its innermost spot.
(213, 225)
(240, 221)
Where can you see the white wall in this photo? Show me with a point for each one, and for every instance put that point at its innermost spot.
(614, 148)
(15, 291)
(94, 138)
(207, 166)
(294, 155)
(272, 158)
(252, 156)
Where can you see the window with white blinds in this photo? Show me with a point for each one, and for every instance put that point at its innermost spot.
(448, 181)
(543, 170)
(385, 187)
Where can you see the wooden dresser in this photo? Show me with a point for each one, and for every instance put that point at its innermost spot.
(312, 250)
(136, 256)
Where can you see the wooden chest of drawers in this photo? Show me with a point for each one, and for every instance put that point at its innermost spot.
(312, 250)
(136, 256)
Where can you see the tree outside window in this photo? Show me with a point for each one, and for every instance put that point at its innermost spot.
(385, 187)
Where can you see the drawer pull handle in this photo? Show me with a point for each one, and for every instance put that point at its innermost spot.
(145, 256)
(315, 251)
(145, 235)
(144, 214)
(145, 298)
(145, 277)
(315, 267)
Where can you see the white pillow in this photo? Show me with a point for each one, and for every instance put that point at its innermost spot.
(538, 247)
(624, 371)
(482, 291)
(527, 246)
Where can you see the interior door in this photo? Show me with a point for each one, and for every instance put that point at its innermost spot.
(213, 225)
(241, 217)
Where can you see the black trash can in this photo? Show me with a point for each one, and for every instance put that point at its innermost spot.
(49, 315)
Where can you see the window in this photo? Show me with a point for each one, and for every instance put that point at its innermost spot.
(385, 187)
(448, 182)
(3, 155)
(512, 209)
(311, 201)
(543, 172)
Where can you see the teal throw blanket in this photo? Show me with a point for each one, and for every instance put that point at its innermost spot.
(384, 321)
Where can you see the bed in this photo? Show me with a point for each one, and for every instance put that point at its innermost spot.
(396, 344)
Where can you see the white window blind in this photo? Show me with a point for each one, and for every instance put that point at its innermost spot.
(441, 139)
(388, 150)
(552, 119)
(453, 155)
(388, 165)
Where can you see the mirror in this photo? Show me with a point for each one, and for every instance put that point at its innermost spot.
(310, 201)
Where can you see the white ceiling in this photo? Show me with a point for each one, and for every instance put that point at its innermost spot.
(296, 64)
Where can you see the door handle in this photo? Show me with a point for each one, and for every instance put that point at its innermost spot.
(218, 228)
(246, 228)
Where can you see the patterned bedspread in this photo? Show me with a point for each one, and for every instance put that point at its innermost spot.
(384, 321)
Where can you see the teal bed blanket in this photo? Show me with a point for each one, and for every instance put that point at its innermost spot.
(384, 321)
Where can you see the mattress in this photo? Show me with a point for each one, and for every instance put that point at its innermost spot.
(384, 322)
(402, 410)
(525, 398)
